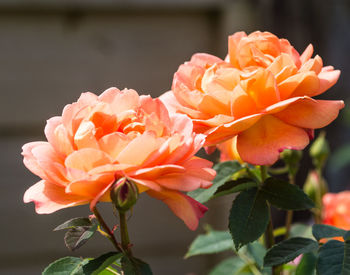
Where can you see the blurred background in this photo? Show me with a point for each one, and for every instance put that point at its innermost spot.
(51, 51)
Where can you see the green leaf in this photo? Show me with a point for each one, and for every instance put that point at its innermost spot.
(257, 251)
(321, 231)
(301, 230)
(77, 236)
(74, 223)
(212, 242)
(95, 266)
(286, 196)
(228, 266)
(234, 186)
(288, 250)
(331, 259)
(248, 218)
(134, 266)
(66, 266)
(224, 172)
(307, 265)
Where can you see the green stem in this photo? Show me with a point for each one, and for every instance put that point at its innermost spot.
(289, 215)
(124, 233)
(263, 170)
(107, 230)
(269, 238)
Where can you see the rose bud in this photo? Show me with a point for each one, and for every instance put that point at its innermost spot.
(315, 187)
(124, 194)
(292, 159)
(319, 150)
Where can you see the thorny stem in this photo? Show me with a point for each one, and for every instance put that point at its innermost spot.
(108, 231)
(289, 216)
(124, 233)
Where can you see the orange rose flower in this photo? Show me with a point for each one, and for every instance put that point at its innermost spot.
(336, 209)
(260, 95)
(100, 139)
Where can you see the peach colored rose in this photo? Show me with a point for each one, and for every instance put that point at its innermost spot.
(260, 94)
(336, 209)
(100, 139)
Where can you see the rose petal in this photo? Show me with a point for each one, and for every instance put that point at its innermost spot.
(311, 114)
(184, 207)
(262, 143)
(49, 197)
(306, 55)
(327, 80)
(229, 130)
(86, 159)
(113, 144)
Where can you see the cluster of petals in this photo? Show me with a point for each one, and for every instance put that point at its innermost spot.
(100, 139)
(336, 209)
(258, 101)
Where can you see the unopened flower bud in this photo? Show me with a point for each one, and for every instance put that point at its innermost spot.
(292, 159)
(319, 150)
(315, 187)
(124, 194)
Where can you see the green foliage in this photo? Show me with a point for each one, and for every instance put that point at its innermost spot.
(212, 242)
(307, 265)
(234, 186)
(134, 266)
(334, 258)
(257, 252)
(224, 170)
(288, 250)
(248, 218)
(321, 231)
(78, 236)
(75, 222)
(66, 266)
(96, 266)
(286, 196)
(230, 266)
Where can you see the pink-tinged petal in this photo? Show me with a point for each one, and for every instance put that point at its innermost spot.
(139, 149)
(91, 186)
(113, 144)
(174, 106)
(85, 136)
(229, 130)
(144, 185)
(50, 163)
(63, 142)
(181, 124)
(306, 55)
(300, 84)
(70, 111)
(120, 101)
(155, 106)
(282, 67)
(49, 197)
(202, 124)
(153, 173)
(30, 161)
(186, 150)
(184, 207)
(182, 182)
(327, 69)
(311, 114)
(200, 168)
(262, 143)
(204, 60)
(86, 159)
(327, 79)
(111, 168)
(233, 41)
(286, 47)
(314, 64)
